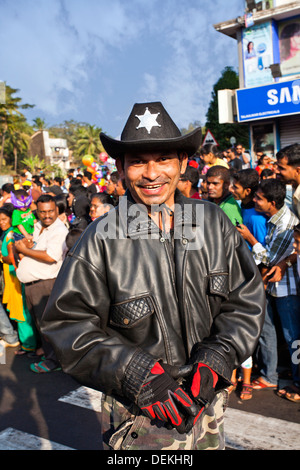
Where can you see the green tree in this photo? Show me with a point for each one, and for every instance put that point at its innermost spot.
(11, 121)
(39, 124)
(191, 127)
(17, 142)
(88, 141)
(32, 163)
(223, 132)
(69, 130)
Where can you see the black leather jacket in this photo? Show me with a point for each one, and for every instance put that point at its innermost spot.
(121, 303)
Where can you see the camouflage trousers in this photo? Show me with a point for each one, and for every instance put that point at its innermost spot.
(122, 429)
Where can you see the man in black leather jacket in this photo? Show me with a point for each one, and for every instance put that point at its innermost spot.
(159, 300)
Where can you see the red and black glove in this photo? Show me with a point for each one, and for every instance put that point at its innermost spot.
(203, 383)
(161, 397)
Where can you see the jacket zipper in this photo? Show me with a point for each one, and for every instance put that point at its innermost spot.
(171, 264)
(189, 327)
(184, 317)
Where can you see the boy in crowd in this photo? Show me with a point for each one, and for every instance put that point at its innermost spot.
(218, 182)
(22, 219)
(243, 188)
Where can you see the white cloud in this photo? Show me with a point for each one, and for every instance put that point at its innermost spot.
(91, 60)
(150, 82)
(40, 56)
(197, 55)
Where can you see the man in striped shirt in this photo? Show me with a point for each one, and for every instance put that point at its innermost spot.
(283, 297)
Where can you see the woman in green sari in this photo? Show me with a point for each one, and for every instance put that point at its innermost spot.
(13, 294)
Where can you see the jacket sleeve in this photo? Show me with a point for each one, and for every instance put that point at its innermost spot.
(75, 322)
(238, 322)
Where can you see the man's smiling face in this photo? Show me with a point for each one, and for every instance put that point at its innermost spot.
(153, 177)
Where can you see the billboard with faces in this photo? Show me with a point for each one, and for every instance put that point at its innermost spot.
(257, 43)
(289, 46)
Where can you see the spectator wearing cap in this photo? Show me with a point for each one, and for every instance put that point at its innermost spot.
(188, 183)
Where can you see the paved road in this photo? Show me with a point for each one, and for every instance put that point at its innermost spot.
(52, 411)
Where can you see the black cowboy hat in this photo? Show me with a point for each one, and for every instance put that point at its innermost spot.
(150, 128)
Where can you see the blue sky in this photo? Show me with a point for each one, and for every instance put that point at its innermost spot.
(91, 60)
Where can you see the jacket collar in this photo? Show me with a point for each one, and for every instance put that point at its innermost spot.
(136, 221)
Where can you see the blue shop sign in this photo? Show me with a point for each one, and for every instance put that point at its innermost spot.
(268, 101)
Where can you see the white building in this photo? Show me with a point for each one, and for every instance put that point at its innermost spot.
(53, 151)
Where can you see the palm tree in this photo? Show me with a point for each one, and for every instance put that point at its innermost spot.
(10, 116)
(39, 124)
(32, 163)
(88, 141)
(18, 141)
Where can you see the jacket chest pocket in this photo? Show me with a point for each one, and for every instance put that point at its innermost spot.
(131, 312)
(217, 292)
(219, 285)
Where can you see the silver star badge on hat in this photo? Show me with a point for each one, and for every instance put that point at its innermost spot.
(147, 120)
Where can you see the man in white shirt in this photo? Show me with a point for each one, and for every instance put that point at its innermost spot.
(28, 174)
(41, 261)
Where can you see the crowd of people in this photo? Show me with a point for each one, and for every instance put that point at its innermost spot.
(263, 203)
(42, 218)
